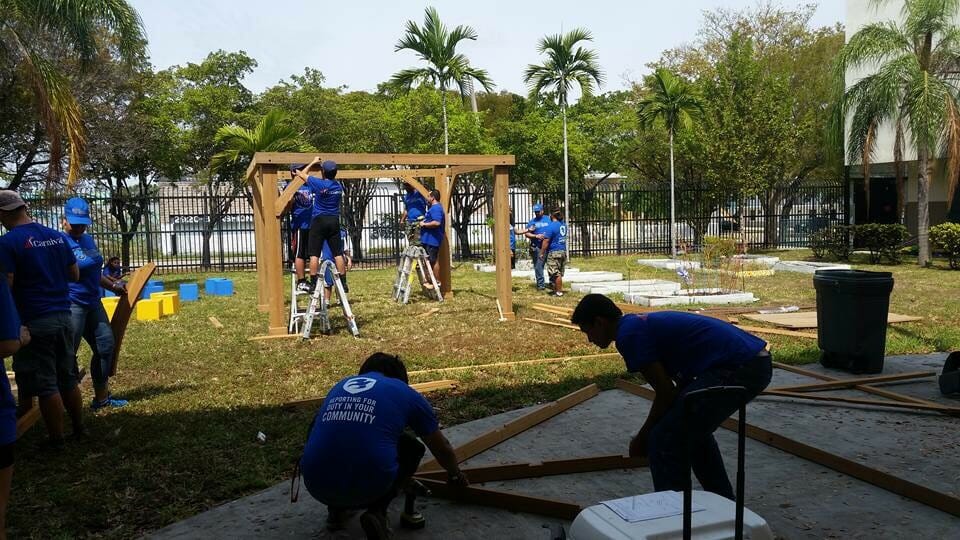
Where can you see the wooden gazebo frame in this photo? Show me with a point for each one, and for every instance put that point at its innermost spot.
(269, 205)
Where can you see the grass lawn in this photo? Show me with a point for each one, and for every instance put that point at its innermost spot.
(199, 395)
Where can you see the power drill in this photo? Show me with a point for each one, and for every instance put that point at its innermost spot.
(410, 518)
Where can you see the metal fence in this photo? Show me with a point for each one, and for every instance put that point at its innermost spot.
(175, 230)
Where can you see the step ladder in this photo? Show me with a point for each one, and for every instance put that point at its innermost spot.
(414, 263)
(302, 322)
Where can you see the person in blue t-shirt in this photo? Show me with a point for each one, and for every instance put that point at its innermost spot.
(360, 452)
(553, 249)
(414, 209)
(113, 272)
(431, 233)
(325, 217)
(533, 231)
(12, 336)
(89, 318)
(679, 353)
(513, 245)
(300, 216)
(39, 266)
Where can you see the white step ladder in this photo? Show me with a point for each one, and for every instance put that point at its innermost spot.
(414, 259)
(302, 322)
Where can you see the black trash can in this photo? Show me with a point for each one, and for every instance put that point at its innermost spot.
(852, 310)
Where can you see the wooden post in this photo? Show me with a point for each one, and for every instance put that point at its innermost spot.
(272, 260)
(258, 215)
(501, 216)
(443, 186)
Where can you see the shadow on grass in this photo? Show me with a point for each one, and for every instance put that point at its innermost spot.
(140, 393)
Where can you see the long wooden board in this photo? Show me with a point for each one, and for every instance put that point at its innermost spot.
(862, 387)
(515, 363)
(551, 323)
(519, 425)
(952, 411)
(516, 471)
(775, 331)
(504, 499)
(121, 317)
(808, 319)
(423, 388)
(27, 421)
(850, 383)
(922, 494)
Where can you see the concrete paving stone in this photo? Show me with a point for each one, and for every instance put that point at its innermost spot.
(808, 267)
(690, 296)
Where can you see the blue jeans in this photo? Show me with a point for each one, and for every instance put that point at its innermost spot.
(538, 263)
(91, 324)
(666, 446)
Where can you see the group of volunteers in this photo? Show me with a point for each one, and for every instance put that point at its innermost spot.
(51, 283)
(548, 247)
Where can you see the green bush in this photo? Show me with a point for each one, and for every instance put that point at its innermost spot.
(834, 240)
(882, 240)
(716, 248)
(946, 238)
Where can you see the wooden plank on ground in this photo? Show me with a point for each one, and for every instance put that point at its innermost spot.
(551, 323)
(121, 317)
(808, 319)
(775, 331)
(516, 363)
(269, 337)
(215, 322)
(519, 425)
(554, 310)
(514, 502)
(516, 471)
(862, 387)
(27, 421)
(850, 383)
(952, 411)
(423, 388)
(922, 494)
(428, 313)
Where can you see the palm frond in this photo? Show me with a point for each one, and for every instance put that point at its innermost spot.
(566, 64)
(875, 43)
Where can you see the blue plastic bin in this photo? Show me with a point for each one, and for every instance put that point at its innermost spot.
(189, 292)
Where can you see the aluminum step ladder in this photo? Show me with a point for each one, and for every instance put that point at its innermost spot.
(414, 262)
(302, 323)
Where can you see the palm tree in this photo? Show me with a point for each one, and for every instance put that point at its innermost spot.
(671, 101)
(437, 46)
(27, 28)
(914, 87)
(567, 65)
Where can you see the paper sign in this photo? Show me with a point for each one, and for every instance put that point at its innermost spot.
(649, 506)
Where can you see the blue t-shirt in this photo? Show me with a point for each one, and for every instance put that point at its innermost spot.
(302, 210)
(115, 273)
(86, 291)
(537, 224)
(9, 330)
(433, 236)
(556, 233)
(351, 452)
(686, 344)
(39, 258)
(513, 238)
(326, 196)
(415, 204)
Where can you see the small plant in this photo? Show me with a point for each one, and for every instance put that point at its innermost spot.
(946, 238)
(833, 241)
(715, 249)
(882, 240)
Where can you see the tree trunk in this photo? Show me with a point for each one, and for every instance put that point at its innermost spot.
(584, 238)
(924, 171)
(771, 229)
(463, 240)
(446, 134)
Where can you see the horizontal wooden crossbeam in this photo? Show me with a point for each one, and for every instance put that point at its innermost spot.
(516, 471)
(431, 386)
(504, 499)
(922, 494)
(952, 411)
(850, 383)
(286, 158)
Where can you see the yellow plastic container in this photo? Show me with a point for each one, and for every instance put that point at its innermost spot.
(169, 302)
(149, 310)
(110, 304)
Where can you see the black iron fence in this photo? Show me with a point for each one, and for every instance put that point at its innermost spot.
(195, 231)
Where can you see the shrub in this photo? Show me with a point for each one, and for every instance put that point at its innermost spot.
(833, 240)
(882, 240)
(946, 238)
(716, 248)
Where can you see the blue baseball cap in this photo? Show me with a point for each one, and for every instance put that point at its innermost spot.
(329, 166)
(76, 211)
(294, 167)
(538, 207)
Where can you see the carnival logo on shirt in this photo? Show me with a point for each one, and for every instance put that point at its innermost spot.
(357, 385)
(31, 243)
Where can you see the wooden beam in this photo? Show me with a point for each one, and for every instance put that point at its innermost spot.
(498, 435)
(446, 245)
(551, 323)
(286, 158)
(553, 310)
(364, 174)
(516, 471)
(849, 383)
(273, 260)
(215, 322)
(428, 313)
(501, 241)
(273, 336)
(513, 502)
(863, 388)
(283, 201)
(29, 418)
(457, 171)
(121, 317)
(258, 214)
(476, 367)
(922, 494)
(952, 411)
(773, 331)
(423, 388)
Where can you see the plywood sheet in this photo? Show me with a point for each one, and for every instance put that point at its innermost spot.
(808, 319)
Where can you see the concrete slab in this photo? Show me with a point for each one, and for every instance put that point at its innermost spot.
(570, 276)
(808, 267)
(652, 286)
(799, 499)
(764, 260)
(668, 264)
(690, 296)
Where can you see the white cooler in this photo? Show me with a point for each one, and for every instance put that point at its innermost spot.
(715, 522)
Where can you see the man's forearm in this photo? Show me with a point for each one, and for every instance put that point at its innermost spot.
(661, 403)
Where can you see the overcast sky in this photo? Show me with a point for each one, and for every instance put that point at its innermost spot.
(352, 42)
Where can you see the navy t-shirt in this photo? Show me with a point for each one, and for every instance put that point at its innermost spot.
(433, 236)
(537, 224)
(556, 233)
(351, 452)
(686, 344)
(415, 204)
(513, 238)
(86, 291)
(39, 258)
(326, 196)
(302, 209)
(9, 330)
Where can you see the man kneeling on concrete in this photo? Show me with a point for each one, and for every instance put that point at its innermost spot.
(360, 453)
(678, 353)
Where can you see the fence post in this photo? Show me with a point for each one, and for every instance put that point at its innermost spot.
(619, 220)
(220, 238)
(398, 229)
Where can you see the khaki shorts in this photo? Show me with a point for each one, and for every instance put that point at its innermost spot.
(556, 260)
